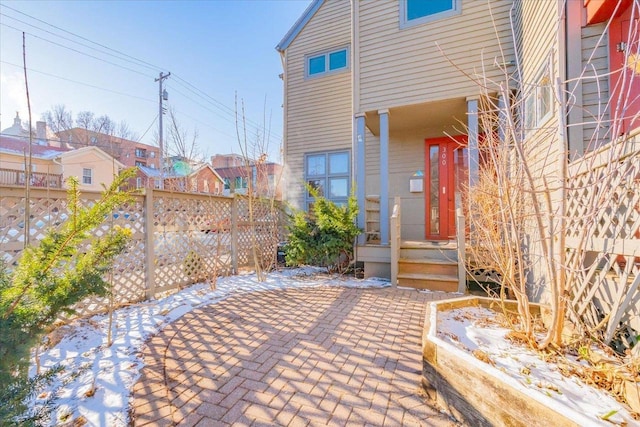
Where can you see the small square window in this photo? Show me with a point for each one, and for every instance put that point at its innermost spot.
(338, 188)
(414, 12)
(317, 65)
(421, 8)
(316, 165)
(338, 163)
(338, 60)
(317, 185)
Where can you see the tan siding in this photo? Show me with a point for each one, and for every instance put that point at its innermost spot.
(595, 91)
(538, 42)
(405, 66)
(319, 116)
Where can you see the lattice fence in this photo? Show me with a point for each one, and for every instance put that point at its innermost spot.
(188, 238)
(603, 205)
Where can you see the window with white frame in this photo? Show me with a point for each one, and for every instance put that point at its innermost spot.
(414, 12)
(538, 102)
(328, 174)
(328, 62)
(87, 175)
(138, 182)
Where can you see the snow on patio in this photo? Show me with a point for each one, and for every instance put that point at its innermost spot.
(96, 381)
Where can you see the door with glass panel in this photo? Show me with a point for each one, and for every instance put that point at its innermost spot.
(445, 173)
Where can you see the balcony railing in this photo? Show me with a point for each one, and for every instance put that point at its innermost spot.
(38, 179)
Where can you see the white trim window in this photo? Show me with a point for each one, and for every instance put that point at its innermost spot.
(538, 102)
(416, 12)
(327, 62)
(87, 176)
(329, 174)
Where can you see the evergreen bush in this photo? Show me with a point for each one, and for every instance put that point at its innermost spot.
(46, 282)
(325, 236)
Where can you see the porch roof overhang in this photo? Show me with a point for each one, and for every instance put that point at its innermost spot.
(432, 119)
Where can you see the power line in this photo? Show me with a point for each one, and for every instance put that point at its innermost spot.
(119, 56)
(81, 37)
(139, 62)
(80, 83)
(75, 50)
(152, 122)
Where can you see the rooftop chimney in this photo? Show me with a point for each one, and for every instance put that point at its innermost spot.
(41, 133)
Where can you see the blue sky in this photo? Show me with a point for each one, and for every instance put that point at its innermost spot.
(214, 49)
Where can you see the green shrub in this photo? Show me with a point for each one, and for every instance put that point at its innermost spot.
(47, 281)
(324, 236)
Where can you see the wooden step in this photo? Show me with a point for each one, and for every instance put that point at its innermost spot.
(428, 244)
(428, 266)
(433, 282)
(444, 255)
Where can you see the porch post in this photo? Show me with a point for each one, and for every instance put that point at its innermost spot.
(384, 177)
(502, 117)
(472, 124)
(359, 166)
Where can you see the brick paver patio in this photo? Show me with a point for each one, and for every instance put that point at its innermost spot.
(295, 357)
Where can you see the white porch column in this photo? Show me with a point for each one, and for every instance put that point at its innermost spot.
(472, 125)
(359, 172)
(384, 177)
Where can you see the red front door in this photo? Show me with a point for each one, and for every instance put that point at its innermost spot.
(624, 36)
(445, 167)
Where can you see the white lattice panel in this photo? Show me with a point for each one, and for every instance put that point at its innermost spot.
(603, 217)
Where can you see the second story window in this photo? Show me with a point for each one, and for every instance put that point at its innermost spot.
(87, 175)
(414, 12)
(140, 152)
(327, 62)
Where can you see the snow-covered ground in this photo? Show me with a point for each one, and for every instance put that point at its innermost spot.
(475, 328)
(97, 378)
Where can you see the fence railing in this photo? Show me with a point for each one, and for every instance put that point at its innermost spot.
(38, 179)
(178, 238)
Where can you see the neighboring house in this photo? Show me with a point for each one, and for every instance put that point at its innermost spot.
(227, 160)
(265, 177)
(51, 165)
(204, 179)
(378, 93)
(91, 165)
(14, 152)
(129, 153)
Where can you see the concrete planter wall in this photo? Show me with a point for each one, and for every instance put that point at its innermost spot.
(477, 393)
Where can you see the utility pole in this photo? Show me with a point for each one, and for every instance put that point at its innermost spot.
(162, 96)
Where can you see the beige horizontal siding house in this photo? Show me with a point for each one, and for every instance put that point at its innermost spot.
(386, 96)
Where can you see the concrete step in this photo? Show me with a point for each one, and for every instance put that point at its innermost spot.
(434, 282)
(428, 266)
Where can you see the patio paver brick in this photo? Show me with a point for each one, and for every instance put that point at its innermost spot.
(291, 357)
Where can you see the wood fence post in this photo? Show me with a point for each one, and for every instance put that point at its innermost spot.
(234, 234)
(149, 231)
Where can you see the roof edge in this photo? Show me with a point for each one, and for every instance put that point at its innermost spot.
(299, 25)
